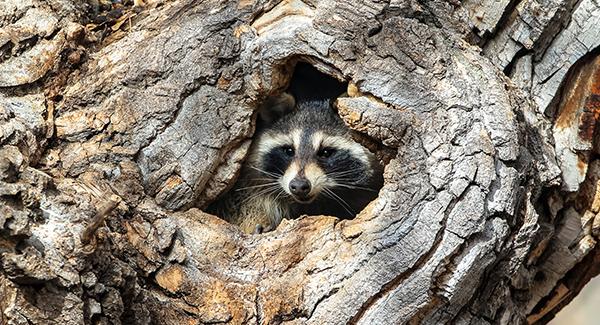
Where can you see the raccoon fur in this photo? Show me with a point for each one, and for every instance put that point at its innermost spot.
(304, 162)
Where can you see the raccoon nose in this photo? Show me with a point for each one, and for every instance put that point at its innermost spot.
(300, 186)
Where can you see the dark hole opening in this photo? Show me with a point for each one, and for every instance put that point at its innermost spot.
(303, 160)
(308, 83)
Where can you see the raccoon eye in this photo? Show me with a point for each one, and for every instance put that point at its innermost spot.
(288, 150)
(325, 152)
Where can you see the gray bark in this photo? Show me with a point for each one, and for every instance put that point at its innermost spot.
(115, 134)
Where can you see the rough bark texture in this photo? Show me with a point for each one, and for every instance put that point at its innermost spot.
(117, 127)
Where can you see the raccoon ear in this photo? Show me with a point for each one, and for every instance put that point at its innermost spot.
(275, 107)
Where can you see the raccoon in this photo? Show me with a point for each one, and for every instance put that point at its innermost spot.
(304, 162)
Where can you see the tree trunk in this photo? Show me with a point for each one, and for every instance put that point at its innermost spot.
(120, 123)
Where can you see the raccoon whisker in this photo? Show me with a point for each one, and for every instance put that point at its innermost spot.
(345, 180)
(260, 186)
(262, 179)
(256, 194)
(266, 172)
(261, 192)
(354, 187)
(271, 175)
(342, 178)
(351, 176)
(342, 173)
(267, 190)
(339, 173)
(281, 191)
(256, 186)
(251, 198)
(341, 201)
(341, 170)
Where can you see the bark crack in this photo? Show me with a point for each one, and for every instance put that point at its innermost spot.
(399, 279)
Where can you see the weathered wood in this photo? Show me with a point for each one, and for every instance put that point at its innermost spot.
(481, 219)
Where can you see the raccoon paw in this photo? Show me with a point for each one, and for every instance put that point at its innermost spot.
(258, 229)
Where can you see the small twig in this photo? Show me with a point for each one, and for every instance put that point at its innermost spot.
(98, 219)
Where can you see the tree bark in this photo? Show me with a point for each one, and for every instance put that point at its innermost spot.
(120, 123)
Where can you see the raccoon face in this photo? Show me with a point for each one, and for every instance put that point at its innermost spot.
(310, 162)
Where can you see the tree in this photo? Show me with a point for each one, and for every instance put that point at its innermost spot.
(120, 124)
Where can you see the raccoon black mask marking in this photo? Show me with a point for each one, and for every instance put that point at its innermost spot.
(305, 162)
